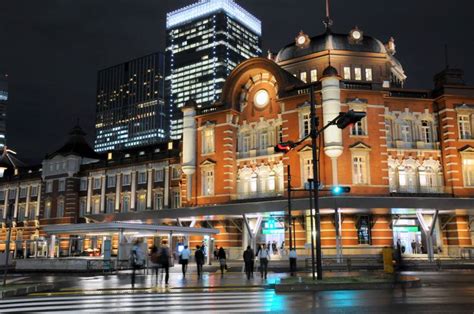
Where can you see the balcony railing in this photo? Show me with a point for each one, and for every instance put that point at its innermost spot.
(418, 190)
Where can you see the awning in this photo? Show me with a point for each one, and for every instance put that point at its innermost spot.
(349, 204)
(126, 227)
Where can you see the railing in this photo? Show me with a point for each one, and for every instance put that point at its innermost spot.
(257, 195)
(356, 85)
(417, 190)
(409, 94)
(350, 262)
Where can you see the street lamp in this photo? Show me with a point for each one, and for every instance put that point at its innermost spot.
(342, 121)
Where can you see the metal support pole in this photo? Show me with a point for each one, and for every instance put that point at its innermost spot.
(311, 217)
(7, 244)
(290, 219)
(314, 144)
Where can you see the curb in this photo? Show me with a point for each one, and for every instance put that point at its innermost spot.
(302, 287)
(15, 292)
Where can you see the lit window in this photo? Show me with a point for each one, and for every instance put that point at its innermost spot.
(263, 140)
(468, 171)
(126, 204)
(176, 199)
(208, 141)
(314, 75)
(358, 74)
(158, 201)
(347, 73)
(465, 128)
(141, 204)
(159, 175)
(176, 173)
(368, 74)
(47, 209)
(208, 181)
(307, 169)
(303, 77)
(363, 230)
(426, 131)
(359, 170)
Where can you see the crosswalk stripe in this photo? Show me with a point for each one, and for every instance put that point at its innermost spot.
(204, 302)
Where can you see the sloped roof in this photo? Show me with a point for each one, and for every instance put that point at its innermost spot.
(76, 145)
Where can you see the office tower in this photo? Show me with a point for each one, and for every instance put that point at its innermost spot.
(130, 104)
(3, 109)
(205, 42)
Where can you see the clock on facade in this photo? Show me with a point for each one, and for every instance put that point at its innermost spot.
(302, 40)
(261, 99)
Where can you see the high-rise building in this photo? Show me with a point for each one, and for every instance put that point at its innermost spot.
(205, 42)
(130, 104)
(3, 110)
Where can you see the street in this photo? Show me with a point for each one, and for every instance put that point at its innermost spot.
(441, 292)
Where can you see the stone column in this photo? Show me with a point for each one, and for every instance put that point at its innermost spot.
(166, 194)
(149, 190)
(118, 191)
(5, 210)
(27, 203)
(102, 194)
(89, 195)
(38, 202)
(133, 192)
(17, 196)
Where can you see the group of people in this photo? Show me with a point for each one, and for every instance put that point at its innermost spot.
(160, 259)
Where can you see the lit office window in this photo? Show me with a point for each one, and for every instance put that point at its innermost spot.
(368, 74)
(314, 75)
(347, 73)
(358, 74)
(303, 77)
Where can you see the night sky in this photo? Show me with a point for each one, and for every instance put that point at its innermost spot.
(52, 49)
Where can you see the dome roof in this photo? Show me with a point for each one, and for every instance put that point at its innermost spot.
(330, 41)
(330, 71)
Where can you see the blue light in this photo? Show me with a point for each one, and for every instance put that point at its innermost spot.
(337, 190)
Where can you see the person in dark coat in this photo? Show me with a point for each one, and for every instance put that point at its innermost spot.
(249, 258)
(222, 260)
(199, 258)
(165, 261)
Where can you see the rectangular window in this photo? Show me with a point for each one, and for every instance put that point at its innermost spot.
(126, 179)
(465, 128)
(363, 230)
(358, 128)
(176, 199)
(12, 194)
(306, 124)
(368, 74)
(263, 140)
(307, 170)
(96, 205)
(405, 131)
(23, 192)
(141, 202)
(110, 205)
(158, 204)
(82, 206)
(159, 175)
(32, 211)
(2, 195)
(208, 141)
(426, 132)
(126, 204)
(468, 171)
(47, 209)
(358, 74)
(246, 144)
(176, 173)
(359, 170)
(303, 77)
(21, 212)
(49, 187)
(60, 209)
(34, 191)
(208, 182)
(347, 73)
(97, 183)
(111, 181)
(314, 75)
(141, 177)
(62, 185)
(83, 184)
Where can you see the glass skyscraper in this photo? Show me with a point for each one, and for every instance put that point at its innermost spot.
(3, 110)
(130, 104)
(205, 42)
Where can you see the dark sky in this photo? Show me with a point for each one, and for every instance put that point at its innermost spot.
(52, 49)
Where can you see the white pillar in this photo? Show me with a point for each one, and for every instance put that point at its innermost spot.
(27, 203)
(5, 210)
(17, 196)
(102, 194)
(38, 202)
(89, 195)
(149, 190)
(189, 146)
(118, 192)
(133, 192)
(166, 196)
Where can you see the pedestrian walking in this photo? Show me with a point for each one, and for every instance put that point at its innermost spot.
(413, 247)
(165, 261)
(222, 260)
(155, 261)
(264, 256)
(293, 258)
(249, 257)
(199, 258)
(137, 256)
(184, 259)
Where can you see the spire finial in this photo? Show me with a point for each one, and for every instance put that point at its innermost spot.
(329, 56)
(327, 21)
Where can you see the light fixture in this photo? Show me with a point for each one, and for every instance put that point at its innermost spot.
(356, 35)
(261, 99)
(302, 40)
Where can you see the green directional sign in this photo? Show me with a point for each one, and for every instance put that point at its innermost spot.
(406, 229)
(274, 231)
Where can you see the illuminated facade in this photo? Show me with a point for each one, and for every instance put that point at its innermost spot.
(130, 104)
(3, 110)
(205, 42)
